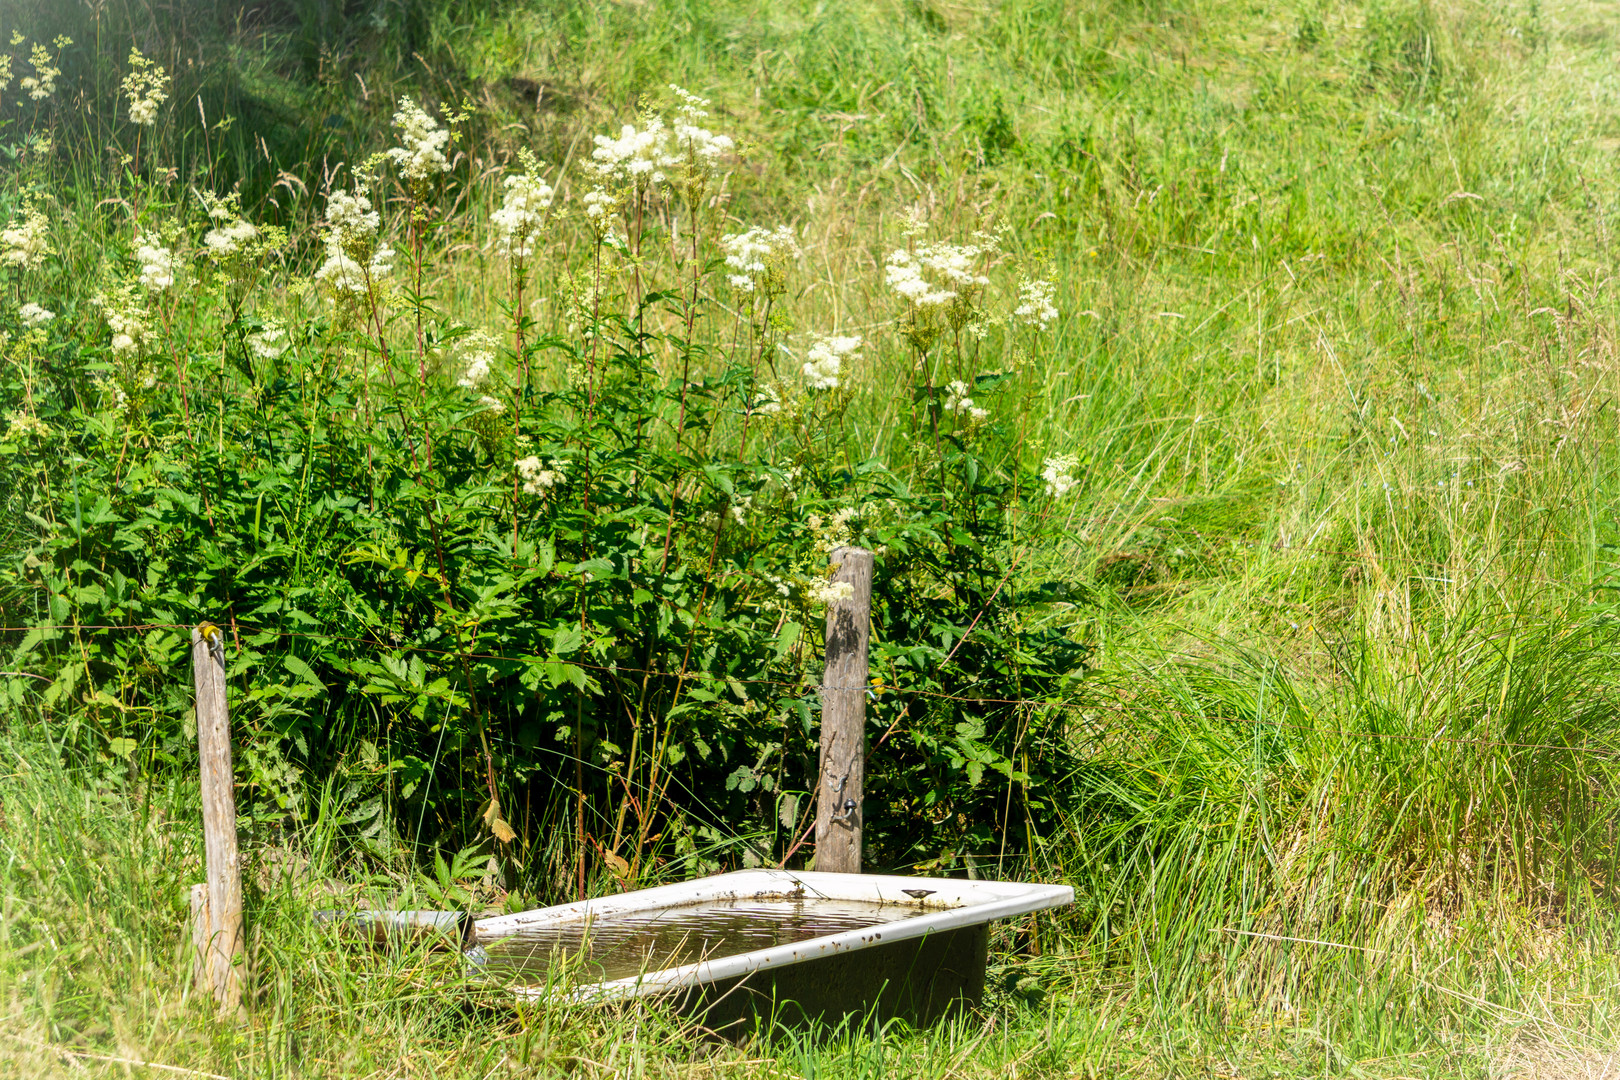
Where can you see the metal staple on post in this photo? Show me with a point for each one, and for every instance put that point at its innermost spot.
(843, 716)
(217, 909)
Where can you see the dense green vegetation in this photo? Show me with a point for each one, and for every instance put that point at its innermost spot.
(1264, 593)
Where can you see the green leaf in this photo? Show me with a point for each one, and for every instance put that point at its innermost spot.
(301, 669)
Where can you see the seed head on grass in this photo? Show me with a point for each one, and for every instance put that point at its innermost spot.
(146, 87)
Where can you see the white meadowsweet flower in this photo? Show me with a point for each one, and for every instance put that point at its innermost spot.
(229, 239)
(422, 154)
(382, 261)
(157, 266)
(146, 86)
(492, 404)
(24, 243)
(342, 275)
(956, 398)
(935, 274)
(637, 156)
(825, 358)
(42, 83)
(768, 403)
(1059, 474)
(1035, 307)
(32, 316)
(126, 318)
(538, 478)
(754, 258)
(22, 424)
(351, 223)
(522, 213)
(477, 352)
(740, 507)
(598, 203)
(349, 279)
(829, 592)
(697, 148)
(270, 342)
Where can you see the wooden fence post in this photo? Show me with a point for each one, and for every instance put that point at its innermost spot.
(220, 921)
(843, 717)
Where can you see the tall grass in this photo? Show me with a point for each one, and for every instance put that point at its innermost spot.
(1338, 358)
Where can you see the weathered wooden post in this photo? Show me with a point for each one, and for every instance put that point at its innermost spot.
(843, 716)
(219, 923)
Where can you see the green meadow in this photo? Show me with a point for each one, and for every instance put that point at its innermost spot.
(1227, 389)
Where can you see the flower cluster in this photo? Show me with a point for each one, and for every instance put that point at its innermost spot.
(538, 478)
(936, 274)
(42, 83)
(351, 223)
(834, 532)
(422, 154)
(354, 259)
(21, 423)
(755, 259)
(5, 67)
(522, 213)
(825, 358)
(477, 353)
(601, 207)
(1035, 304)
(829, 592)
(157, 265)
(269, 342)
(957, 401)
(126, 318)
(349, 279)
(23, 243)
(1059, 474)
(698, 150)
(768, 402)
(32, 316)
(637, 156)
(232, 233)
(146, 86)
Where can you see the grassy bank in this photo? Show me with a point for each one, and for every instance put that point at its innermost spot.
(1312, 651)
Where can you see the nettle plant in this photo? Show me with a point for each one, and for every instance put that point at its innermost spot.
(548, 589)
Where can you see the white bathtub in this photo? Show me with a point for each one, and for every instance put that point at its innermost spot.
(918, 966)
